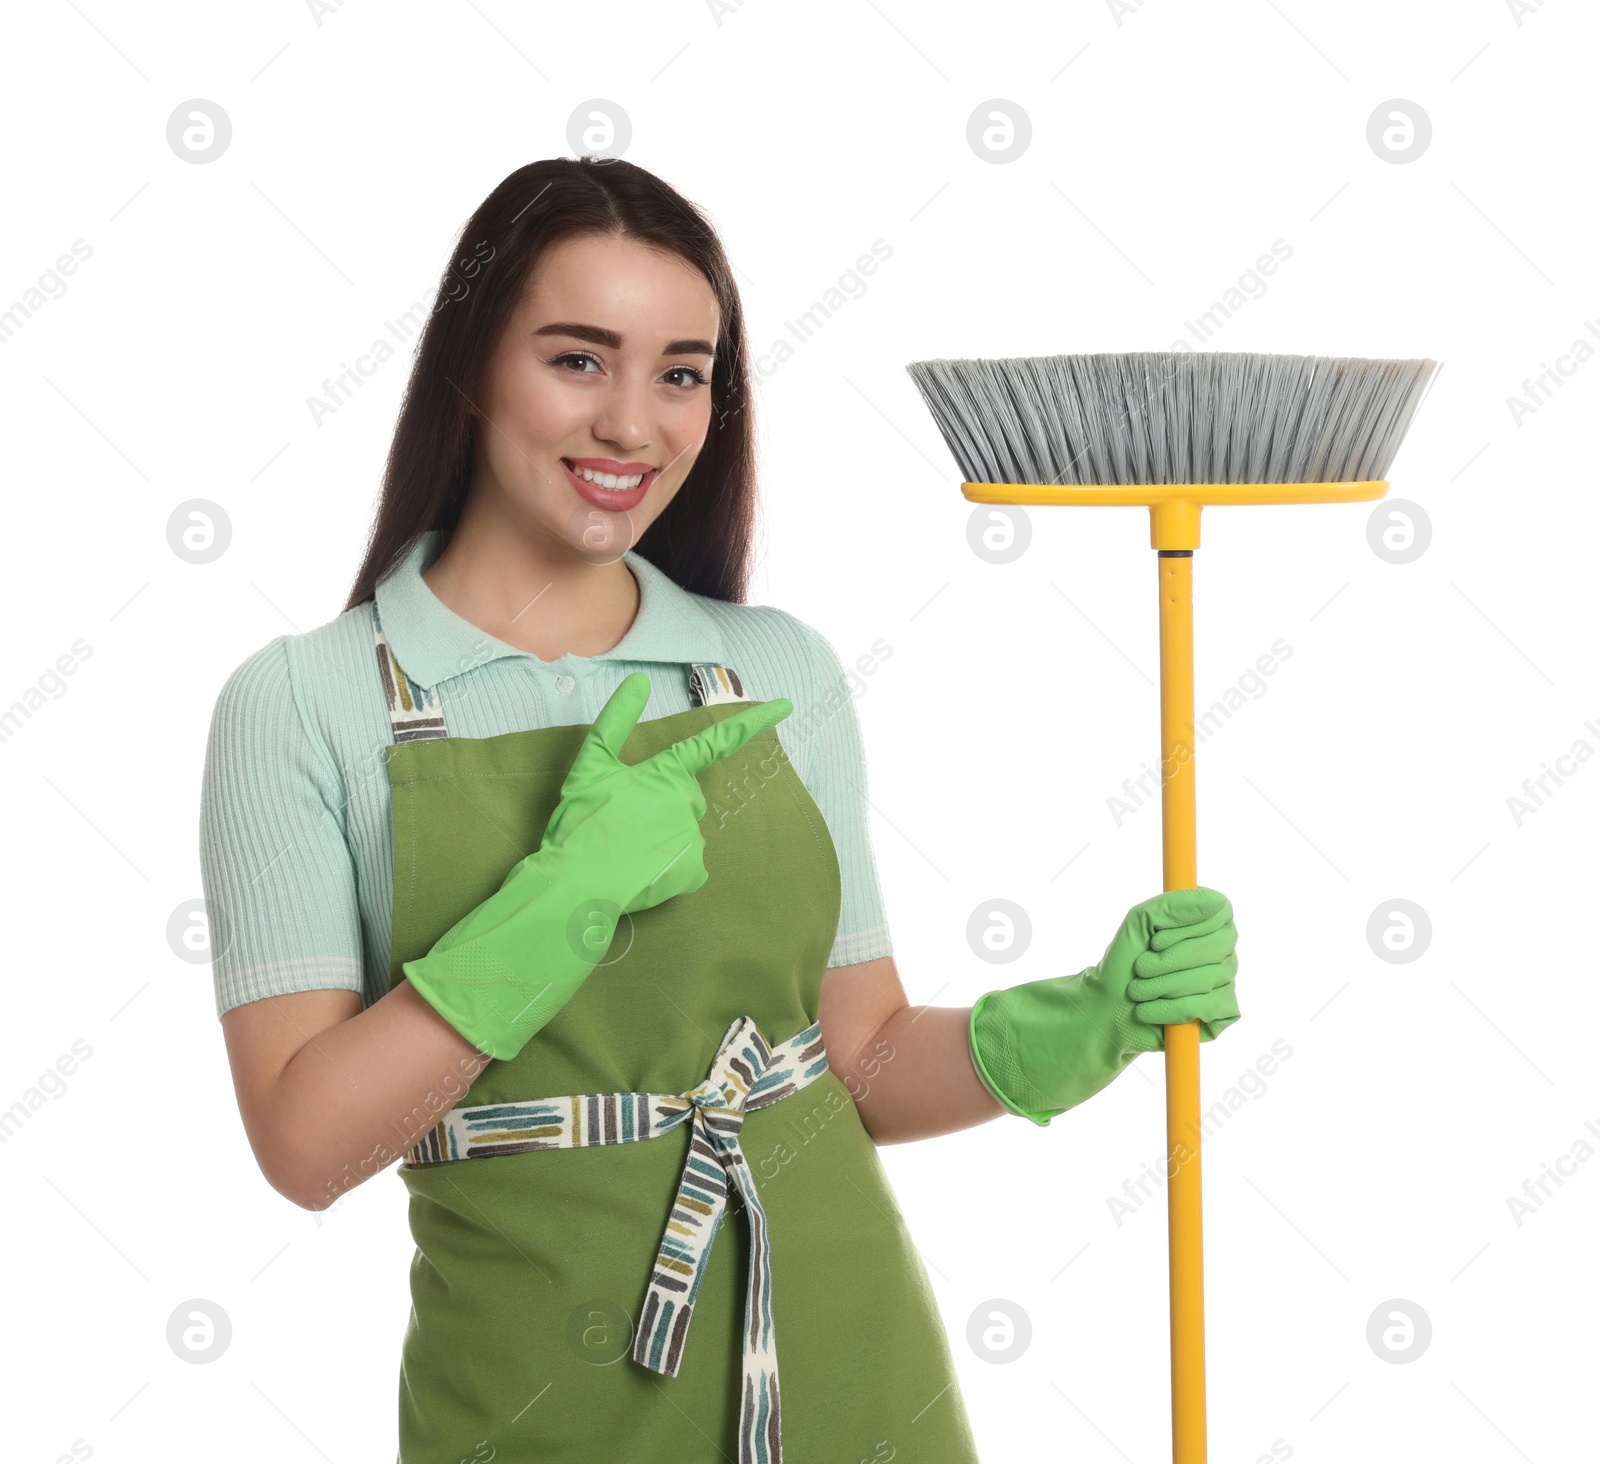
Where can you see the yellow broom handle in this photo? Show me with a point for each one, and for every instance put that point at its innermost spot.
(1182, 1042)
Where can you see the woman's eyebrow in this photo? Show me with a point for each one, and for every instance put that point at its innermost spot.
(603, 337)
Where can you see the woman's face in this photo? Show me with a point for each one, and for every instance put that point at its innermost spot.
(604, 373)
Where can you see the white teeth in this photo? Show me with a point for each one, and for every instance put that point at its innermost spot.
(609, 480)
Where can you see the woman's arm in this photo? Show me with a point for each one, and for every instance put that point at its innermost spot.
(909, 1069)
(330, 1094)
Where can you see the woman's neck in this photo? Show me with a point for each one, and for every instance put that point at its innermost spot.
(531, 592)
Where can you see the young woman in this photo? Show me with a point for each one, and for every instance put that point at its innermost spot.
(544, 868)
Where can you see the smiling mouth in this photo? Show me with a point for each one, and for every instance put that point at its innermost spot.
(612, 480)
(627, 492)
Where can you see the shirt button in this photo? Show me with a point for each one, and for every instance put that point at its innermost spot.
(564, 684)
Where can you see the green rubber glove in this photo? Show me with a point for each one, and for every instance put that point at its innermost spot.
(1045, 1046)
(621, 838)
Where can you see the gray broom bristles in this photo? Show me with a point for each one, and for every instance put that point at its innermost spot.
(1173, 416)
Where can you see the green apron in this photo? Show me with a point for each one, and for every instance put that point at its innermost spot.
(552, 1287)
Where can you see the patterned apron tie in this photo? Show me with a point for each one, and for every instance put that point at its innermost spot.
(746, 1074)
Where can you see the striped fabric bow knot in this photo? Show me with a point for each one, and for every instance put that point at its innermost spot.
(746, 1074)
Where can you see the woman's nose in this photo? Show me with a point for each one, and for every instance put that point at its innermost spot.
(624, 415)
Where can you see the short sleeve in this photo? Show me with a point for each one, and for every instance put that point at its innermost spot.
(835, 774)
(279, 883)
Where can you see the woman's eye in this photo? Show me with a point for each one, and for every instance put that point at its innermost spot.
(577, 360)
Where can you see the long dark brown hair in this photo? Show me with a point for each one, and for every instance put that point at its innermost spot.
(704, 536)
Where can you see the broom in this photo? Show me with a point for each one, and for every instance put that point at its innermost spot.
(1173, 432)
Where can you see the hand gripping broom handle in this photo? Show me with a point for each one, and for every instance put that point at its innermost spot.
(1175, 535)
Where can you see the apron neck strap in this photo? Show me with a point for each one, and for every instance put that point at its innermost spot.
(416, 713)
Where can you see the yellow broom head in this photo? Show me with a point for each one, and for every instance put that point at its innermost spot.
(1173, 417)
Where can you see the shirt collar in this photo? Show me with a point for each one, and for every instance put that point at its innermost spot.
(433, 643)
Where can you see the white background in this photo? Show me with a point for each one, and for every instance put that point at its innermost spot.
(1168, 152)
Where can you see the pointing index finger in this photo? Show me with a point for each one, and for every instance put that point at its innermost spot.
(721, 739)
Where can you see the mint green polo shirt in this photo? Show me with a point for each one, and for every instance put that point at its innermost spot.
(296, 845)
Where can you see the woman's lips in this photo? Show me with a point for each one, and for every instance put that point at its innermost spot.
(609, 498)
